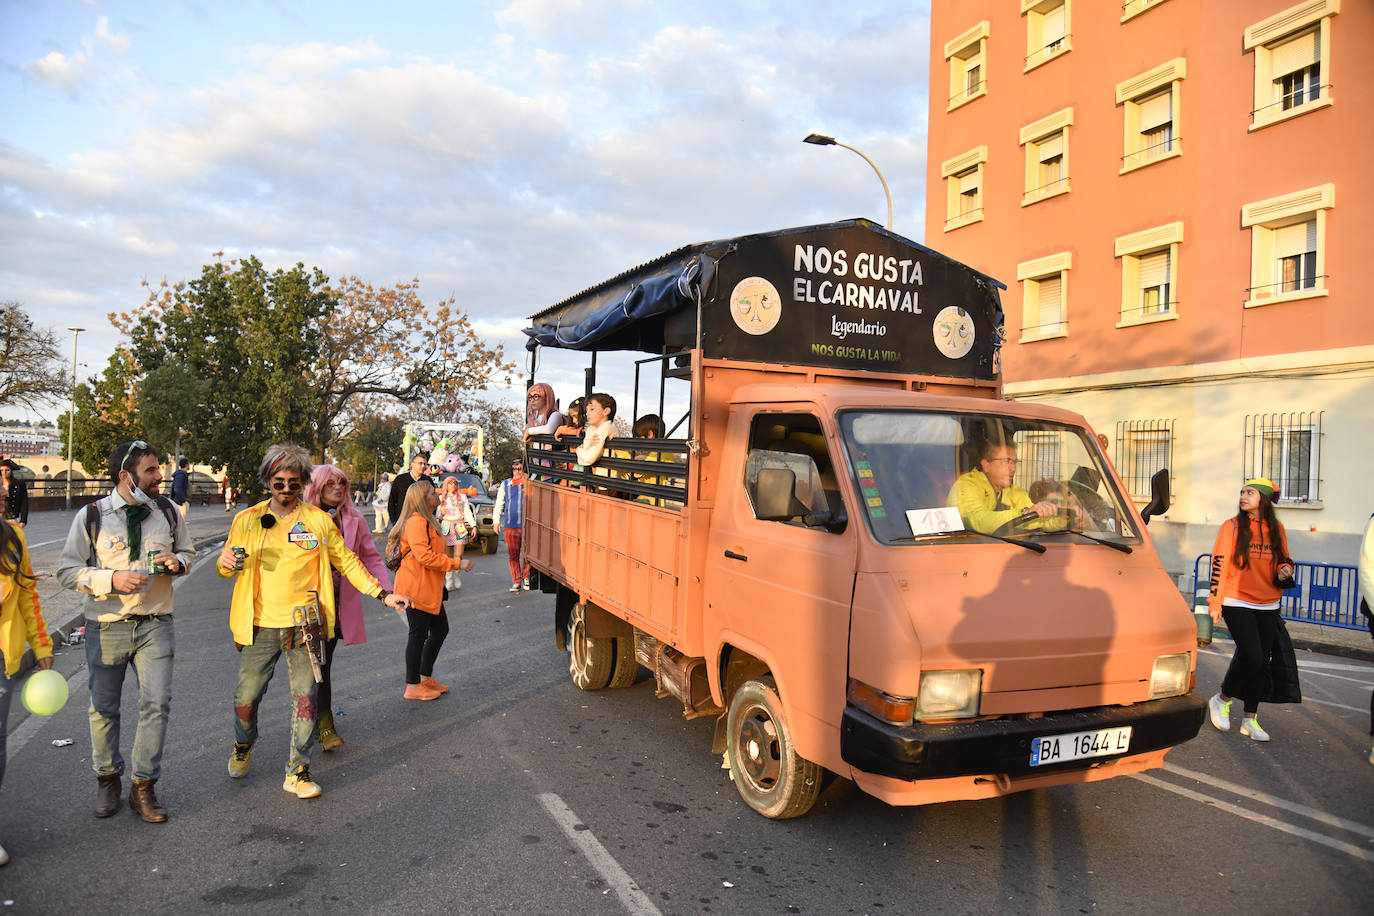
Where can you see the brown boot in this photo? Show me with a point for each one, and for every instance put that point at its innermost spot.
(329, 738)
(107, 789)
(143, 802)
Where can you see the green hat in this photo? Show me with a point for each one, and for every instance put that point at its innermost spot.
(1264, 485)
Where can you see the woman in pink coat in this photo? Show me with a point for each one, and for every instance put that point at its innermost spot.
(328, 489)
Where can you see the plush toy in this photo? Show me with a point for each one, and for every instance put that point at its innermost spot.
(451, 465)
(438, 457)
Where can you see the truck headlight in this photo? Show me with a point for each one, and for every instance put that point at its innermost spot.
(949, 694)
(1170, 675)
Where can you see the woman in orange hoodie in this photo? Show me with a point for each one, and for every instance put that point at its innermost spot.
(423, 564)
(1248, 550)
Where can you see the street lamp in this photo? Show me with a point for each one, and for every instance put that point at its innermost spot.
(822, 140)
(71, 417)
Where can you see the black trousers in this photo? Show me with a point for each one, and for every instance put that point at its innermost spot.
(1254, 633)
(427, 634)
(324, 693)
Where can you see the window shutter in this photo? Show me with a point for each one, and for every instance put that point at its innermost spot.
(1294, 54)
(1299, 238)
(1154, 270)
(1051, 307)
(1053, 26)
(1051, 147)
(1155, 111)
(968, 182)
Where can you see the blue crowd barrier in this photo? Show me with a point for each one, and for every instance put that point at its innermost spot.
(1325, 593)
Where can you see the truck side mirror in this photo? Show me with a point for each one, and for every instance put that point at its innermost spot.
(1159, 496)
(773, 496)
(834, 522)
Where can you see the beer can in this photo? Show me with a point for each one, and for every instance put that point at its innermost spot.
(240, 554)
(156, 567)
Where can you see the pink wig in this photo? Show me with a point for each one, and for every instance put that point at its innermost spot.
(322, 474)
(540, 416)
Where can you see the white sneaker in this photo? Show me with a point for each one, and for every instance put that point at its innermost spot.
(515, 588)
(1250, 728)
(1220, 713)
(526, 585)
(5, 857)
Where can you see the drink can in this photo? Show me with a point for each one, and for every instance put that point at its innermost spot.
(156, 567)
(240, 555)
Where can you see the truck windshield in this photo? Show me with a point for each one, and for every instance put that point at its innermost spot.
(928, 477)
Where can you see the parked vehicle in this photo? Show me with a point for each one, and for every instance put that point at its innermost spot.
(799, 572)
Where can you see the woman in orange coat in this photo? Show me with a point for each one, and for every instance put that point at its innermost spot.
(1248, 550)
(423, 565)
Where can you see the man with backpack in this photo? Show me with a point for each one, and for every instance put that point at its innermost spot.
(121, 553)
(181, 486)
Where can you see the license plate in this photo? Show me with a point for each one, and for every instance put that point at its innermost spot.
(1080, 745)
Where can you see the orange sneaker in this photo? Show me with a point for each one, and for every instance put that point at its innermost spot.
(432, 684)
(420, 692)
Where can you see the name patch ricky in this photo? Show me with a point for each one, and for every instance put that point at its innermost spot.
(301, 535)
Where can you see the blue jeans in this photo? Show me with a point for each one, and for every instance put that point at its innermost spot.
(147, 645)
(257, 664)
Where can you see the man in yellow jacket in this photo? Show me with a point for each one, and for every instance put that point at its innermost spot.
(990, 502)
(289, 548)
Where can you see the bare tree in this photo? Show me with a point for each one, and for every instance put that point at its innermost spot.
(31, 372)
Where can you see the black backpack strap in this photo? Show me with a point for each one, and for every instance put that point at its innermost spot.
(92, 520)
(169, 512)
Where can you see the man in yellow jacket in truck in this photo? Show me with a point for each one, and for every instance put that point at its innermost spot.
(990, 503)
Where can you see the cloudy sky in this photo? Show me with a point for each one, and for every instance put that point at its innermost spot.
(508, 153)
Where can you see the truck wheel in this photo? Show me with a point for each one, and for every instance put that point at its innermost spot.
(769, 774)
(626, 665)
(591, 662)
(489, 544)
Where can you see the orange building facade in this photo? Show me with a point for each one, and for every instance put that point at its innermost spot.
(1177, 194)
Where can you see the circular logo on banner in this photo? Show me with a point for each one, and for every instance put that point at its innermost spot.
(755, 305)
(953, 330)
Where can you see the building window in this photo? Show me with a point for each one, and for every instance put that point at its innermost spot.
(1150, 102)
(1149, 274)
(963, 177)
(1286, 448)
(1288, 245)
(1292, 61)
(1044, 296)
(1047, 156)
(1132, 8)
(1047, 30)
(967, 56)
(1143, 448)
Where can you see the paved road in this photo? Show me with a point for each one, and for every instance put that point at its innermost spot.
(517, 793)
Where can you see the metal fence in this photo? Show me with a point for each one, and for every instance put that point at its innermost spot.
(1325, 593)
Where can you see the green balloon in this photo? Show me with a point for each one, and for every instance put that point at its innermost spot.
(45, 692)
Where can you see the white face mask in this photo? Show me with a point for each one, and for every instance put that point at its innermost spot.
(141, 498)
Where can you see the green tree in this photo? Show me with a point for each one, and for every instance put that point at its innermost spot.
(169, 401)
(371, 446)
(31, 372)
(252, 339)
(106, 414)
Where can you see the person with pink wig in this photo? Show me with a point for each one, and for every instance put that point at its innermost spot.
(328, 489)
(542, 417)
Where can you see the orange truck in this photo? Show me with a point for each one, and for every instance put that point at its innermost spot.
(850, 549)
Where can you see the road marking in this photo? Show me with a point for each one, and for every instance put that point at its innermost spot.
(1307, 700)
(46, 543)
(634, 900)
(1322, 839)
(1295, 807)
(1311, 668)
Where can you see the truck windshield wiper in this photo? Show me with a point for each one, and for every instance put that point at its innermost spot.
(1029, 545)
(1114, 545)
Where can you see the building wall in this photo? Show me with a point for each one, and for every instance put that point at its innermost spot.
(1210, 363)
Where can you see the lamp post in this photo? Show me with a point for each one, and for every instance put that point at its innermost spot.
(822, 140)
(71, 417)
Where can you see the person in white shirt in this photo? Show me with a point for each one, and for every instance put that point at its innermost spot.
(381, 514)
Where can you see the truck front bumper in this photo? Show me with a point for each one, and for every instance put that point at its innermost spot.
(992, 746)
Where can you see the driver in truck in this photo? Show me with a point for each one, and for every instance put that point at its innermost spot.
(990, 503)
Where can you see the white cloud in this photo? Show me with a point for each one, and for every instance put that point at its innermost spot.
(115, 41)
(77, 71)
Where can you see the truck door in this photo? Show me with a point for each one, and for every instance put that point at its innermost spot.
(780, 568)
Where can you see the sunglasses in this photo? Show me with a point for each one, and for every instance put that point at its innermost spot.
(290, 486)
(136, 445)
(336, 482)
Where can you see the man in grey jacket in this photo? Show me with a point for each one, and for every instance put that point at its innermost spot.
(121, 553)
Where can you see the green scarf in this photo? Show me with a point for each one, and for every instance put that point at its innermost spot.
(135, 515)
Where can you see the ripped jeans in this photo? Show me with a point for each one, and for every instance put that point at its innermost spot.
(257, 664)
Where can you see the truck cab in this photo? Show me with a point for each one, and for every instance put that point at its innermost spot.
(863, 560)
